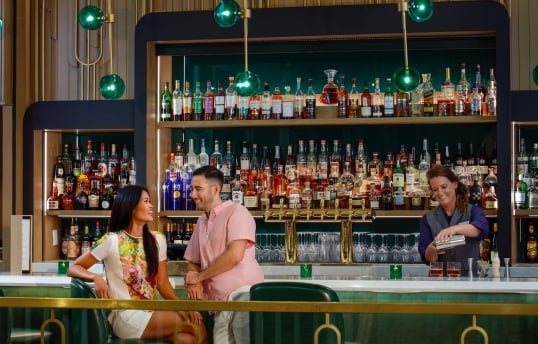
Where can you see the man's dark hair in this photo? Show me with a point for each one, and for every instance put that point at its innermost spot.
(210, 173)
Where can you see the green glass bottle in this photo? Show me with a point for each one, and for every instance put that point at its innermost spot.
(166, 103)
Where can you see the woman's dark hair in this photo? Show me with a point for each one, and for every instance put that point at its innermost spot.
(462, 198)
(120, 218)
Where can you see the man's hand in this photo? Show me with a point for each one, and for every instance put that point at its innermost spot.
(192, 277)
(195, 291)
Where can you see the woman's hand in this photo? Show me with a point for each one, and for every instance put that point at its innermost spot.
(195, 291)
(101, 287)
(431, 253)
(446, 234)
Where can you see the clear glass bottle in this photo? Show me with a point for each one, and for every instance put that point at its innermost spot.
(177, 102)
(287, 103)
(298, 103)
(476, 101)
(197, 102)
(244, 162)
(491, 96)
(354, 100)
(276, 102)
(203, 157)
(366, 102)
(330, 90)
(230, 104)
(427, 96)
(266, 101)
(255, 106)
(343, 100)
(377, 99)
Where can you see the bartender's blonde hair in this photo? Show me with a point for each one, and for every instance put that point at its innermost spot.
(462, 198)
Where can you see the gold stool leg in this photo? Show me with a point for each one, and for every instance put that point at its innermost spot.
(53, 320)
(474, 328)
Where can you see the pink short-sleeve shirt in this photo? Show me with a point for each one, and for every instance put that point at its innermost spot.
(226, 223)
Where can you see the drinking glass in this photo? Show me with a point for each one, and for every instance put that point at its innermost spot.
(405, 251)
(414, 252)
(453, 269)
(313, 247)
(359, 248)
(371, 252)
(395, 252)
(436, 269)
(383, 251)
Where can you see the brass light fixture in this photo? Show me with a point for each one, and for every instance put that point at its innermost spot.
(91, 17)
(407, 78)
(226, 14)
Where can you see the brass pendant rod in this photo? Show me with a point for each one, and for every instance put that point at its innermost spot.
(110, 21)
(246, 15)
(404, 29)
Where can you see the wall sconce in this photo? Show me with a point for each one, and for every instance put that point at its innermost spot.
(226, 14)
(90, 17)
(407, 78)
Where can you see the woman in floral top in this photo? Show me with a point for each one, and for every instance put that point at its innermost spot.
(135, 266)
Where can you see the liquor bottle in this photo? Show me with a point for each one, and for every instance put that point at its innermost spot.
(347, 179)
(447, 96)
(175, 191)
(243, 107)
(374, 190)
(230, 110)
(522, 159)
(208, 102)
(68, 198)
(58, 175)
(490, 179)
(191, 155)
(472, 161)
(77, 165)
(255, 167)
(112, 161)
(427, 95)
(86, 240)
(366, 102)
(287, 103)
(81, 199)
(482, 161)
(402, 157)
(301, 164)
(102, 164)
(423, 166)
(354, 100)
(335, 162)
(416, 101)
(90, 160)
(228, 161)
(165, 191)
(377, 100)
(306, 195)
(290, 166)
(402, 104)
(533, 195)
(388, 101)
(311, 160)
(255, 107)
(220, 102)
(375, 165)
(520, 193)
(185, 198)
(166, 103)
(388, 165)
(244, 163)
(465, 85)
(277, 161)
(197, 102)
(481, 88)
(343, 100)
(180, 158)
(216, 156)
(460, 101)
(298, 102)
(323, 161)
(489, 199)
(475, 192)
(266, 101)
(54, 200)
(276, 102)
(265, 181)
(531, 245)
(398, 185)
(447, 158)
(412, 174)
(386, 194)
(491, 96)
(310, 101)
(203, 157)
(187, 102)
(94, 196)
(107, 193)
(458, 159)
(177, 102)
(250, 197)
(73, 249)
(280, 185)
(67, 161)
(476, 101)
(266, 160)
(361, 163)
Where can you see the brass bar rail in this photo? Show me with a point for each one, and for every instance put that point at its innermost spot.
(279, 306)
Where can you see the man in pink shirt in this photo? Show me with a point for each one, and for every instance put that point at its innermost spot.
(221, 254)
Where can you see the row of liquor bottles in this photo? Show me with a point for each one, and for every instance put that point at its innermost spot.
(458, 99)
(525, 191)
(90, 180)
(79, 236)
(329, 178)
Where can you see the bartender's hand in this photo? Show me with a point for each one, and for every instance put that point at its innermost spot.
(431, 254)
(446, 234)
(195, 291)
(101, 287)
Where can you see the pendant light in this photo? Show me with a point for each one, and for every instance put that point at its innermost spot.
(226, 14)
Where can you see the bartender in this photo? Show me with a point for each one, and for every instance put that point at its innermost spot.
(453, 216)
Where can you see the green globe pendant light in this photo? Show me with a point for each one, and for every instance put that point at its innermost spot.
(406, 79)
(111, 86)
(91, 17)
(535, 75)
(246, 83)
(1, 23)
(420, 10)
(227, 13)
